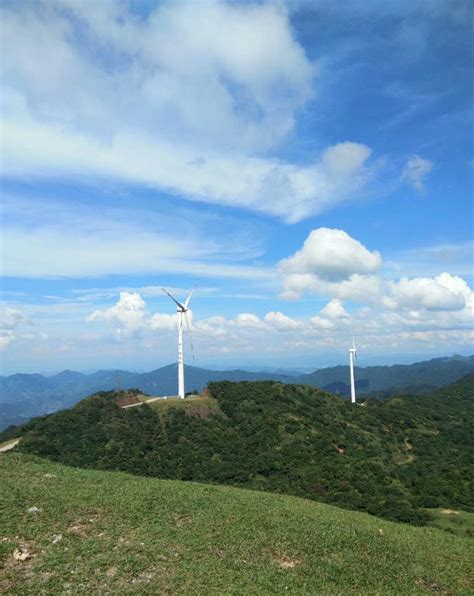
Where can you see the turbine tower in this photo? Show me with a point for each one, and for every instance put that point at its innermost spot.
(352, 357)
(182, 310)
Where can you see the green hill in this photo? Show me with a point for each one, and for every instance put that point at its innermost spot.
(393, 458)
(105, 532)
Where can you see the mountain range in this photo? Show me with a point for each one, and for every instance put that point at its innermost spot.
(23, 396)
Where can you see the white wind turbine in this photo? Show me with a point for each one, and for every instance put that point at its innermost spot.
(182, 310)
(352, 357)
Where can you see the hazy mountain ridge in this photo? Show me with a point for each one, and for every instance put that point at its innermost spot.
(436, 372)
(23, 396)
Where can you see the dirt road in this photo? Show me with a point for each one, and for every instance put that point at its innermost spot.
(9, 445)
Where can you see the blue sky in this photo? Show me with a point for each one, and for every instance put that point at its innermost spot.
(308, 164)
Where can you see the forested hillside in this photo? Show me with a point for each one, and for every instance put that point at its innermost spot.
(390, 458)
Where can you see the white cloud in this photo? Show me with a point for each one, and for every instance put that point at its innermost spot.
(129, 312)
(415, 172)
(163, 321)
(215, 86)
(264, 185)
(332, 255)
(334, 309)
(331, 263)
(443, 293)
(360, 288)
(321, 323)
(10, 320)
(280, 321)
(151, 337)
(66, 241)
(6, 337)
(247, 320)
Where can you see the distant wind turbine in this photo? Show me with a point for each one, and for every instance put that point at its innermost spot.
(182, 310)
(352, 357)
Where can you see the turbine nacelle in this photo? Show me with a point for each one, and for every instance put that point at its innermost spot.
(180, 307)
(353, 350)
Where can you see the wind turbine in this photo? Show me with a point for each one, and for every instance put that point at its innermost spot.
(182, 310)
(352, 357)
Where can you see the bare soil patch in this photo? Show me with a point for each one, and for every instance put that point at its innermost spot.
(285, 561)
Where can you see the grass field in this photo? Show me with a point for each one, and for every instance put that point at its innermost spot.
(456, 521)
(109, 532)
(194, 405)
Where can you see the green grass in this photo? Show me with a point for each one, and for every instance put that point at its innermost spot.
(455, 521)
(193, 405)
(127, 534)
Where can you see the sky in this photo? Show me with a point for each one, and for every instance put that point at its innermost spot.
(308, 165)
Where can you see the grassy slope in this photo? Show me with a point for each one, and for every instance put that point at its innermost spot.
(128, 534)
(199, 406)
(456, 521)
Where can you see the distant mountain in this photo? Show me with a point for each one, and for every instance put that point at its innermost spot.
(23, 396)
(434, 373)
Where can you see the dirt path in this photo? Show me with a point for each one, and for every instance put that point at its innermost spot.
(142, 402)
(9, 445)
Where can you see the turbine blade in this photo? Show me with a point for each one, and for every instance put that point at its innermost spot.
(189, 331)
(186, 302)
(174, 299)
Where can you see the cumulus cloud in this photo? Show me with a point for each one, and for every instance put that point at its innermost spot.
(10, 320)
(6, 337)
(375, 329)
(280, 321)
(163, 321)
(153, 334)
(332, 255)
(129, 312)
(334, 309)
(360, 288)
(321, 323)
(247, 320)
(444, 292)
(396, 306)
(331, 263)
(415, 172)
(216, 86)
